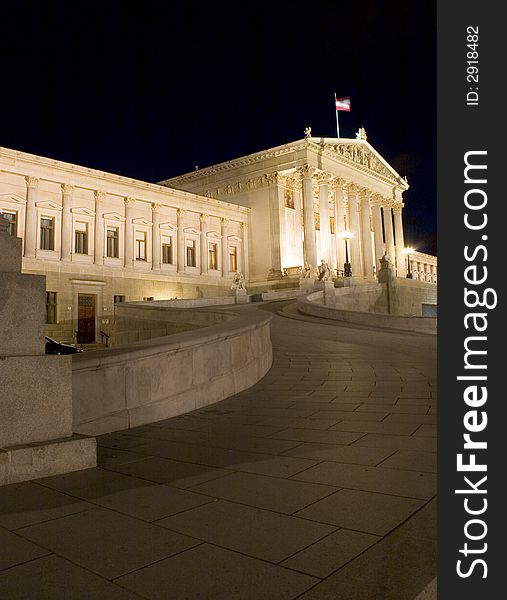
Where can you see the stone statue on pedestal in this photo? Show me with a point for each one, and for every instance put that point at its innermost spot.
(324, 272)
(307, 271)
(238, 281)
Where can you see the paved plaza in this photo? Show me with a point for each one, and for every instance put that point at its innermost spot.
(318, 483)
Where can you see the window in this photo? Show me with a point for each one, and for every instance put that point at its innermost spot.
(331, 224)
(81, 238)
(47, 231)
(51, 308)
(213, 257)
(140, 245)
(288, 196)
(148, 299)
(191, 253)
(167, 252)
(118, 299)
(112, 244)
(233, 259)
(13, 222)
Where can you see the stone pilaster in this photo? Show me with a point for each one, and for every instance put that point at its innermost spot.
(99, 228)
(129, 233)
(181, 241)
(203, 218)
(225, 247)
(339, 222)
(156, 249)
(32, 184)
(244, 250)
(66, 250)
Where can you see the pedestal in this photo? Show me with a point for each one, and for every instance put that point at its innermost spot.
(241, 297)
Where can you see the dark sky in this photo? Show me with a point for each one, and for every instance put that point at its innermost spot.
(151, 89)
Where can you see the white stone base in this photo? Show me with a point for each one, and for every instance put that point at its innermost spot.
(306, 284)
(32, 461)
(241, 297)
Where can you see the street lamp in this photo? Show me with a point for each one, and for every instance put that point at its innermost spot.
(408, 252)
(346, 235)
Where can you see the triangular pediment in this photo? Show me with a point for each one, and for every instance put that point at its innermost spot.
(12, 197)
(82, 210)
(168, 226)
(361, 154)
(234, 238)
(113, 216)
(48, 205)
(142, 221)
(214, 235)
(192, 230)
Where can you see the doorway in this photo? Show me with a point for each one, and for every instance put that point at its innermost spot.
(86, 319)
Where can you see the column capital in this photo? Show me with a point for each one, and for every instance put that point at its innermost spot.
(244, 225)
(397, 208)
(224, 221)
(352, 189)
(99, 195)
(31, 182)
(364, 193)
(376, 199)
(338, 182)
(203, 217)
(323, 178)
(305, 171)
(129, 201)
(155, 207)
(67, 189)
(180, 213)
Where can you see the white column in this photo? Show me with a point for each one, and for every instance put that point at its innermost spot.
(339, 223)
(325, 226)
(129, 233)
(225, 247)
(388, 228)
(400, 242)
(32, 184)
(366, 235)
(204, 243)
(181, 241)
(156, 249)
(378, 237)
(275, 224)
(310, 247)
(66, 249)
(298, 230)
(99, 228)
(244, 250)
(355, 242)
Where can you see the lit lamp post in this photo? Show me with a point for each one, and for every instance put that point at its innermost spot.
(408, 252)
(347, 269)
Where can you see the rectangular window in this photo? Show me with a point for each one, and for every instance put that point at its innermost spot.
(118, 299)
(233, 259)
(148, 299)
(213, 257)
(81, 238)
(51, 308)
(140, 245)
(191, 253)
(47, 233)
(331, 224)
(167, 252)
(112, 243)
(13, 222)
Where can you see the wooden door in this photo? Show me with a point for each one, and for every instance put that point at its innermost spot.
(86, 319)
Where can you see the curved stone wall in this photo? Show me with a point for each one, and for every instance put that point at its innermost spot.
(156, 379)
(314, 305)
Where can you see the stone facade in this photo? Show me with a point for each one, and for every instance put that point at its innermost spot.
(303, 196)
(101, 238)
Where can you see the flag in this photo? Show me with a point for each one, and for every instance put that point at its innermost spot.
(343, 104)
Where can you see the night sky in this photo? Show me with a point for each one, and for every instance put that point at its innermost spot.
(152, 89)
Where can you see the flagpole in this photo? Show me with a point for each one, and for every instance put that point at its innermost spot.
(337, 124)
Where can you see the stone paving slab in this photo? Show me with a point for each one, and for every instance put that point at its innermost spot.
(220, 574)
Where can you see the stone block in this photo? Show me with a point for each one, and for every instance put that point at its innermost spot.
(10, 254)
(32, 461)
(36, 400)
(22, 314)
(97, 392)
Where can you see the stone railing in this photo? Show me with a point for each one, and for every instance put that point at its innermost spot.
(159, 378)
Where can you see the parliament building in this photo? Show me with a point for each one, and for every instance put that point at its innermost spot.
(101, 238)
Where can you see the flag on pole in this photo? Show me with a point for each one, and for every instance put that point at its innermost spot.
(343, 104)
